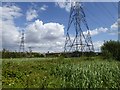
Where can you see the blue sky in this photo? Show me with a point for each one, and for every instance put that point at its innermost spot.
(96, 14)
(101, 18)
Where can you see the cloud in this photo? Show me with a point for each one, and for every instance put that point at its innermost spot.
(44, 7)
(33, 11)
(64, 5)
(97, 45)
(31, 14)
(97, 31)
(114, 29)
(47, 36)
(47, 31)
(10, 34)
(9, 12)
(43, 36)
(114, 26)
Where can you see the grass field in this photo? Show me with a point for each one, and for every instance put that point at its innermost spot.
(0, 73)
(60, 73)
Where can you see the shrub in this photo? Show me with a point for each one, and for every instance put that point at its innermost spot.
(111, 49)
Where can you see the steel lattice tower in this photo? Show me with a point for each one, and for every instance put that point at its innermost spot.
(22, 48)
(82, 42)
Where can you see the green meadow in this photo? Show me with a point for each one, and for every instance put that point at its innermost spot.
(83, 72)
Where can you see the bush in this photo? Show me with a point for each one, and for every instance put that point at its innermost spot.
(111, 49)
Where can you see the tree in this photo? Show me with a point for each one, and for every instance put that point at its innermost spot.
(111, 49)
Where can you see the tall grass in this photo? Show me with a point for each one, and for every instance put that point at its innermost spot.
(61, 73)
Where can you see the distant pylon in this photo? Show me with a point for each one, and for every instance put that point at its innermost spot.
(30, 49)
(22, 47)
(82, 42)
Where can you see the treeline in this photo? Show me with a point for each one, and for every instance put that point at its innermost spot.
(8, 54)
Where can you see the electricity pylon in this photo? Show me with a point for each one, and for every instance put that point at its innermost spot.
(82, 41)
(22, 47)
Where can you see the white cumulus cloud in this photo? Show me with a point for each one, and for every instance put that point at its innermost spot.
(64, 5)
(31, 14)
(97, 31)
(47, 36)
(9, 12)
(114, 29)
(10, 34)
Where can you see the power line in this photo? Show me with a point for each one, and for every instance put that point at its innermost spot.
(114, 5)
(100, 7)
(108, 11)
(91, 17)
